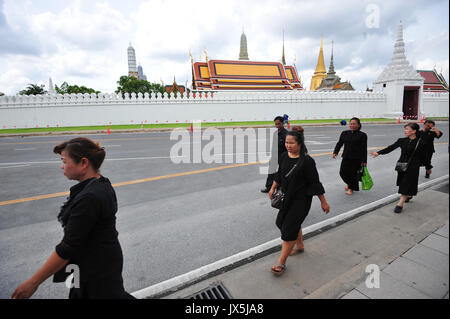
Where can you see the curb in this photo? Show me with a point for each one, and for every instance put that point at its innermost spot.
(172, 128)
(182, 281)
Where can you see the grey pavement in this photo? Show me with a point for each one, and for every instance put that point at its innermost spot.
(410, 251)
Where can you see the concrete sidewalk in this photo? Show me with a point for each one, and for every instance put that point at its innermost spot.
(410, 250)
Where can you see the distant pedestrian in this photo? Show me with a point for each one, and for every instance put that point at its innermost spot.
(90, 239)
(429, 133)
(299, 188)
(278, 147)
(408, 166)
(354, 156)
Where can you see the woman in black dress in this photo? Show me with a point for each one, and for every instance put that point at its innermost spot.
(299, 188)
(412, 151)
(354, 155)
(90, 243)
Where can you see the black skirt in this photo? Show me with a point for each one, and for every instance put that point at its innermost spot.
(349, 172)
(290, 219)
(407, 181)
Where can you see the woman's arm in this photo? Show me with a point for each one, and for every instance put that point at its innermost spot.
(387, 150)
(324, 204)
(338, 146)
(28, 287)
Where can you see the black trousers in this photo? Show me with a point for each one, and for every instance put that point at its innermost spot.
(349, 172)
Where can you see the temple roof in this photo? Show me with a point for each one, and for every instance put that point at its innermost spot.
(433, 81)
(245, 75)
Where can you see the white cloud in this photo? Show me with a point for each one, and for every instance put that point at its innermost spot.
(84, 42)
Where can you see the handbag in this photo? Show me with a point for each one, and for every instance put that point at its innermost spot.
(278, 196)
(366, 180)
(402, 167)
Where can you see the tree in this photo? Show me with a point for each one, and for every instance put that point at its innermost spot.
(130, 84)
(65, 88)
(33, 89)
(1, 93)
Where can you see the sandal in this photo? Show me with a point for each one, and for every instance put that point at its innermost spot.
(278, 272)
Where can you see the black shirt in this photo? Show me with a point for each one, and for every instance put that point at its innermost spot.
(90, 236)
(303, 182)
(355, 145)
(407, 147)
(428, 138)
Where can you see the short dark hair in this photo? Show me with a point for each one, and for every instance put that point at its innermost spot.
(279, 118)
(357, 120)
(429, 121)
(413, 126)
(82, 147)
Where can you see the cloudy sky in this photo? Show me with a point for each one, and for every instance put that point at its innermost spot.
(85, 42)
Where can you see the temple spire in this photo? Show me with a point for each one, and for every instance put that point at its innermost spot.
(321, 71)
(331, 68)
(243, 54)
(283, 59)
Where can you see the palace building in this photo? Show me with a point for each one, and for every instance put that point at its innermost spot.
(244, 74)
(433, 81)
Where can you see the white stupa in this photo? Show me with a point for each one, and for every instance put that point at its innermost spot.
(402, 84)
(51, 87)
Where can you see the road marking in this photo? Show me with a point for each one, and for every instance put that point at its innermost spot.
(22, 165)
(145, 180)
(25, 149)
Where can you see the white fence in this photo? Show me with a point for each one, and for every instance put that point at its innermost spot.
(114, 109)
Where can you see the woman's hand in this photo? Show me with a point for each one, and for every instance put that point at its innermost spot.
(335, 155)
(364, 164)
(325, 207)
(25, 290)
(272, 190)
(374, 154)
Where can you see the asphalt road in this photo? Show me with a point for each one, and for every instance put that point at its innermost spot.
(174, 224)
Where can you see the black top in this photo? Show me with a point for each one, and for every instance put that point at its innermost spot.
(281, 141)
(407, 147)
(90, 236)
(304, 180)
(428, 137)
(355, 145)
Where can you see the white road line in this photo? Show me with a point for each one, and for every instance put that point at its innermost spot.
(24, 149)
(22, 165)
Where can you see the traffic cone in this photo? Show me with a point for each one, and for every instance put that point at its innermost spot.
(107, 131)
(192, 128)
(289, 125)
(398, 120)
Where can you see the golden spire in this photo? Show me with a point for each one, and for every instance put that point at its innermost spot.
(206, 55)
(283, 60)
(321, 71)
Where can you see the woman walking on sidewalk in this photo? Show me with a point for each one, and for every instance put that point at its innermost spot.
(354, 156)
(408, 166)
(299, 188)
(90, 243)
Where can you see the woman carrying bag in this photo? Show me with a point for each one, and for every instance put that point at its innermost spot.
(299, 185)
(354, 157)
(408, 166)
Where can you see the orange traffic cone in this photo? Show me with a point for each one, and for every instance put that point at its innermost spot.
(289, 125)
(398, 120)
(192, 128)
(107, 131)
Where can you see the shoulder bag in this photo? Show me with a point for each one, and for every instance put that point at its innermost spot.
(401, 167)
(278, 196)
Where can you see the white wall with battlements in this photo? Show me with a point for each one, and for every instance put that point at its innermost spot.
(114, 109)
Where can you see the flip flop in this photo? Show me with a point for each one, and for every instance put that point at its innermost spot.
(278, 272)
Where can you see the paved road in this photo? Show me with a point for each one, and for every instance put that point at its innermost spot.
(172, 225)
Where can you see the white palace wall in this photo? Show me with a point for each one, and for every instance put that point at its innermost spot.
(113, 109)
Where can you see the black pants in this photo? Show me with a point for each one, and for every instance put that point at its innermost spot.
(349, 172)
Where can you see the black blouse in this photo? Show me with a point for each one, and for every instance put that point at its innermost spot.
(303, 182)
(407, 147)
(428, 138)
(90, 236)
(355, 145)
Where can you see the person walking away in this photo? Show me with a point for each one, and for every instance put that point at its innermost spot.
(412, 152)
(279, 143)
(299, 188)
(90, 239)
(429, 133)
(354, 156)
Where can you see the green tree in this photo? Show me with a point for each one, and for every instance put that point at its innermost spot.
(33, 89)
(1, 93)
(65, 88)
(130, 84)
